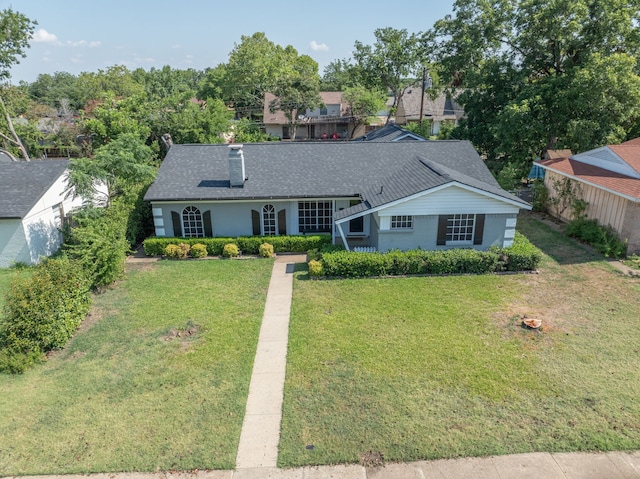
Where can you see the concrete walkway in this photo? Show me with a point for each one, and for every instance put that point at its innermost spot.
(258, 447)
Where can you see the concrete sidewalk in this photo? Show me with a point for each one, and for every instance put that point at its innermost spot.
(258, 446)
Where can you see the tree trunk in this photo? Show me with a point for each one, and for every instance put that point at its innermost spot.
(16, 139)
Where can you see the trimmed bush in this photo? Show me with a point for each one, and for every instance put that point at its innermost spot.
(198, 250)
(43, 311)
(522, 256)
(230, 250)
(315, 268)
(265, 250)
(177, 251)
(249, 244)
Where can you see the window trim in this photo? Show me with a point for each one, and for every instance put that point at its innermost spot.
(268, 215)
(309, 219)
(192, 214)
(401, 222)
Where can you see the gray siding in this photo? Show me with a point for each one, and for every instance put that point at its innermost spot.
(228, 219)
(425, 231)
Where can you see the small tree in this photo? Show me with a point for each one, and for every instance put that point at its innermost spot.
(362, 104)
(116, 167)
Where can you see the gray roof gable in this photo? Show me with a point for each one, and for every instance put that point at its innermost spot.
(314, 170)
(390, 132)
(22, 184)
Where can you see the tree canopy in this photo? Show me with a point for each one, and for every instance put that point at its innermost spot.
(541, 74)
(392, 63)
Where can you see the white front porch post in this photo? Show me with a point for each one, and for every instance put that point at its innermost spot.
(344, 239)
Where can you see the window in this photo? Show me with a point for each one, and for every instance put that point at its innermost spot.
(192, 222)
(401, 222)
(315, 216)
(323, 111)
(268, 220)
(460, 229)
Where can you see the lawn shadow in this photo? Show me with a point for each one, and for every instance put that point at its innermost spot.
(550, 238)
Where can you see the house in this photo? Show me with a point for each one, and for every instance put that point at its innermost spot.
(443, 109)
(324, 122)
(609, 179)
(390, 132)
(393, 195)
(33, 203)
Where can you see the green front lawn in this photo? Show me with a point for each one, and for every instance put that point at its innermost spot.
(156, 379)
(437, 367)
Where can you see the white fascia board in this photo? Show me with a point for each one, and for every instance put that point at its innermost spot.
(415, 137)
(590, 183)
(433, 190)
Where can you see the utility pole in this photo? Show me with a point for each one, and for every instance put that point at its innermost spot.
(424, 85)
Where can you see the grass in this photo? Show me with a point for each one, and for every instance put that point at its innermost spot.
(438, 367)
(156, 379)
(632, 261)
(411, 368)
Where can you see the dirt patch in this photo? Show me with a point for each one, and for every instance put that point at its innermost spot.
(189, 330)
(372, 459)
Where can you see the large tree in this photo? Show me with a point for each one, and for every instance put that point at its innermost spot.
(15, 32)
(297, 87)
(541, 74)
(254, 66)
(392, 63)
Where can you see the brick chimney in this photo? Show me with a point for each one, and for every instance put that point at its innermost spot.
(237, 174)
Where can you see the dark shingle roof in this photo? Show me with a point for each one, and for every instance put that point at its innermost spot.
(390, 132)
(318, 170)
(22, 184)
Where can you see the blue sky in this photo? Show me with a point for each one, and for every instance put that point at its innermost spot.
(76, 36)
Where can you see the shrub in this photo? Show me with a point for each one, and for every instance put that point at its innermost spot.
(230, 250)
(519, 257)
(13, 361)
(43, 311)
(265, 250)
(99, 242)
(198, 250)
(248, 244)
(315, 268)
(602, 238)
(177, 251)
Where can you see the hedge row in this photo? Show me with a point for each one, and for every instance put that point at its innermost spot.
(42, 311)
(522, 256)
(246, 244)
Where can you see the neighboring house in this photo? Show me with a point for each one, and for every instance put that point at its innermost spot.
(610, 183)
(33, 204)
(324, 122)
(390, 132)
(442, 109)
(394, 195)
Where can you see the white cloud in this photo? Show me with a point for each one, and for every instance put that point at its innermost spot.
(176, 46)
(318, 47)
(83, 43)
(43, 36)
